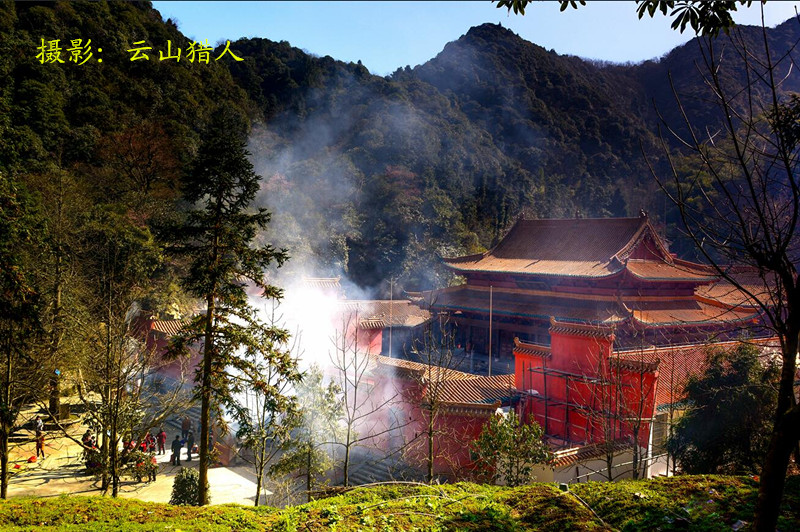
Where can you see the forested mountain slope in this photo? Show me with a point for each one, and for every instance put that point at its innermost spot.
(367, 175)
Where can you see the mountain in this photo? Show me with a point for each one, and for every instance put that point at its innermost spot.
(383, 173)
(369, 176)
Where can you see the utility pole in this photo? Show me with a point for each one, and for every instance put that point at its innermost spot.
(490, 330)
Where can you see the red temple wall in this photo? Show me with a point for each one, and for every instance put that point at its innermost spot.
(585, 379)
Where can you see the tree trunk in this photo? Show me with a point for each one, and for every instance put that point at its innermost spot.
(4, 462)
(430, 449)
(781, 444)
(260, 464)
(104, 460)
(308, 474)
(347, 465)
(114, 458)
(635, 465)
(6, 426)
(114, 454)
(205, 402)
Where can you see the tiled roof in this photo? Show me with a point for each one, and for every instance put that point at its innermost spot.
(486, 390)
(677, 364)
(580, 329)
(168, 327)
(419, 370)
(453, 387)
(726, 293)
(686, 311)
(525, 348)
(571, 247)
(576, 455)
(518, 302)
(323, 283)
(583, 247)
(379, 314)
(676, 271)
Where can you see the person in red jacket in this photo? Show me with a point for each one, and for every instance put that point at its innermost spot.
(161, 438)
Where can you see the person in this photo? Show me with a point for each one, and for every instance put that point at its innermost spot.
(162, 441)
(39, 444)
(176, 450)
(38, 424)
(151, 443)
(189, 446)
(153, 469)
(87, 442)
(186, 426)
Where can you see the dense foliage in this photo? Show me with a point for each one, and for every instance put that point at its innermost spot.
(185, 489)
(511, 449)
(372, 176)
(728, 420)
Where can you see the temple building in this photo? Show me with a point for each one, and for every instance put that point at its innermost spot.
(600, 325)
(603, 273)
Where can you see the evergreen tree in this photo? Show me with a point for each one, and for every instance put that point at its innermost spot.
(727, 425)
(19, 312)
(217, 238)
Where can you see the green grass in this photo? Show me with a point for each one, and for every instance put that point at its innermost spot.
(680, 503)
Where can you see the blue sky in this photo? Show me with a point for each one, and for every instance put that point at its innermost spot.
(388, 35)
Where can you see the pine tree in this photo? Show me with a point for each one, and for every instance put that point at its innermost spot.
(19, 312)
(217, 238)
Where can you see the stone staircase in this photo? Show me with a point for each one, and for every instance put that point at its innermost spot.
(368, 468)
(173, 424)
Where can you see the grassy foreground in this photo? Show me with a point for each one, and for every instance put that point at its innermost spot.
(681, 503)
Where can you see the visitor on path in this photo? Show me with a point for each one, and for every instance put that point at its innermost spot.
(151, 443)
(176, 451)
(39, 444)
(189, 446)
(88, 443)
(152, 470)
(162, 441)
(186, 426)
(38, 424)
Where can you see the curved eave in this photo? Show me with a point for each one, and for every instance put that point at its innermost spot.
(672, 279)
(640, 233)
(527, 315)
(532, 274)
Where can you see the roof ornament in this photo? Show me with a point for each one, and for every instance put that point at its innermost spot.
(642, 213)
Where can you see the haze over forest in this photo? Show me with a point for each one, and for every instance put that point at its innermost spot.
(370, 176)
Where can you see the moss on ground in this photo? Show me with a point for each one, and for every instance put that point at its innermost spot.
(678, 503)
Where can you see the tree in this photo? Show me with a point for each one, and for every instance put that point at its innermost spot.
(118, 260)
(360, 404)
(740, 207)
(320, 408)
(217, 237)
(511, 449)
(20, 378)
(705, 18)
(727, 425)
(435, 349)
(268, 413)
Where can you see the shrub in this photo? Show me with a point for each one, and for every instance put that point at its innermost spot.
(185, 490)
